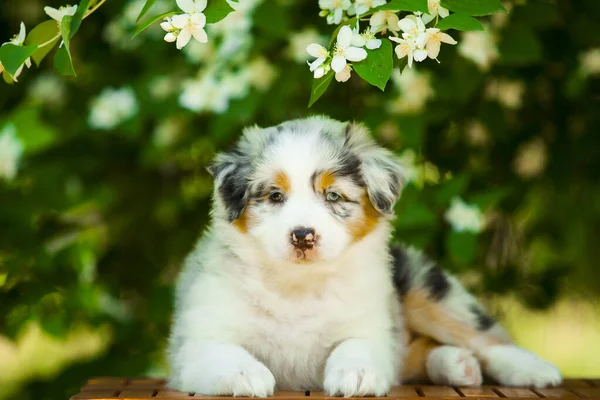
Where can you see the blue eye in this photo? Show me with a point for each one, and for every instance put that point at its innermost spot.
(333, 197)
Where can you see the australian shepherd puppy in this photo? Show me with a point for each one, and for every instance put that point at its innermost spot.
(295, 285)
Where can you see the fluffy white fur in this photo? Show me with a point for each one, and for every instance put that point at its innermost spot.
(249, 317)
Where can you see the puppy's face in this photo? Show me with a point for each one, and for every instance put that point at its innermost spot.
(307, 189)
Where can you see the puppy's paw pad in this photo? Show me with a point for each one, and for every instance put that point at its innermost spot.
(449, 365)
(513, 366)
(350, 381)
(254, 380)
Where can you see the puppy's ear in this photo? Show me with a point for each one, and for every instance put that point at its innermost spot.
(381, 170)
(231, 173)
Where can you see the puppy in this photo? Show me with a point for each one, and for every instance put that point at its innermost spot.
(294, 285)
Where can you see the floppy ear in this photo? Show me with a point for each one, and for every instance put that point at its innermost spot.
(381, 170)
(231, 173)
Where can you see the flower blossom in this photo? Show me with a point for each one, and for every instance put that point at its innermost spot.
(334, 10)
(344, 51)
(464, 217)
(58, 14)
(182, 27)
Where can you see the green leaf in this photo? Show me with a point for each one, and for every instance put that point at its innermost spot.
(319, 86)
(46, 34)
(520, 46)
(377, 67)
(147, 7)
(455, 186)
(405, 5)
(62, 59)
(416, 215)
(217, 10)
(12, 56)
(461, 246)
(152, 20)
(63, 62)
(474, 7)
(78, 17)
(461, 22)
(7, 78)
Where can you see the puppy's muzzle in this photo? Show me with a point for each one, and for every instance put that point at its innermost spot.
(303, 238)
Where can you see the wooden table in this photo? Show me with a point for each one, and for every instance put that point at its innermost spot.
(124, 388)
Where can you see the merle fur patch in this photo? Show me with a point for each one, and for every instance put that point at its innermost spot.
(436, 283)
(484, 321)
(401, 271)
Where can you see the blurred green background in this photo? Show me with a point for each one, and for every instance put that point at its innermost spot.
(103, 189)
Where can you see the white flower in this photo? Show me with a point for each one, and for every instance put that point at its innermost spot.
(191, 6)
(384, 20)
(435, 9)
(321, 71)
(206, 93)
(11, 149)
(334, 10)
(362, 6)
(18, 40)
(463, 217)
(509, 93)
(58, 15)
(316, 50)
(260, 73)
(408, 47)
(413, 26)
(367, 38)
(300, 40)
(532, 158)
(181, 28)
(112, 107)
(413, 39)
(590, 62)
(415, 90)
(47, 89)
(344, 51)
(479, 47)
(433, 39)
(344, 74)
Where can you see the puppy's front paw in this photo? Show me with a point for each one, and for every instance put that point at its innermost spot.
(355, 380)
(513, 366)
(449, 365)
(247, 380)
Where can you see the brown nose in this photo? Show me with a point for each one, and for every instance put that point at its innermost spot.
(303, 238)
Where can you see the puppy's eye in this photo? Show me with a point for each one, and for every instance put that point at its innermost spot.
(333, 197)
(276, 197)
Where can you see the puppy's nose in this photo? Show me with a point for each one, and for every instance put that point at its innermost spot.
(303, 237)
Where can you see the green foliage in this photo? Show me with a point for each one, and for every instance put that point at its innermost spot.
(377, 67)
(216, 10)
(12, 56)
(97, 219)
(474, 7)
(78, 16)
(62, 59)
(151, 21)
(147, 6)
(405, 5)
(461, 22)
(319, 86)
(45, 36)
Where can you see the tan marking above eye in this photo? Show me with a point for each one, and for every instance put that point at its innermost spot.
(324, 180)
(282, 181)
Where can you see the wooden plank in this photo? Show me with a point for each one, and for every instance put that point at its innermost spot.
(438, 391)
(516, 392)
(167, 393)
(137, 394)
(403, 391)
(289, 394)
(589, 393)
(483, 391)
(575, 383)
(145, 383)
(99, 386)
(96, 394)
(557, 392)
